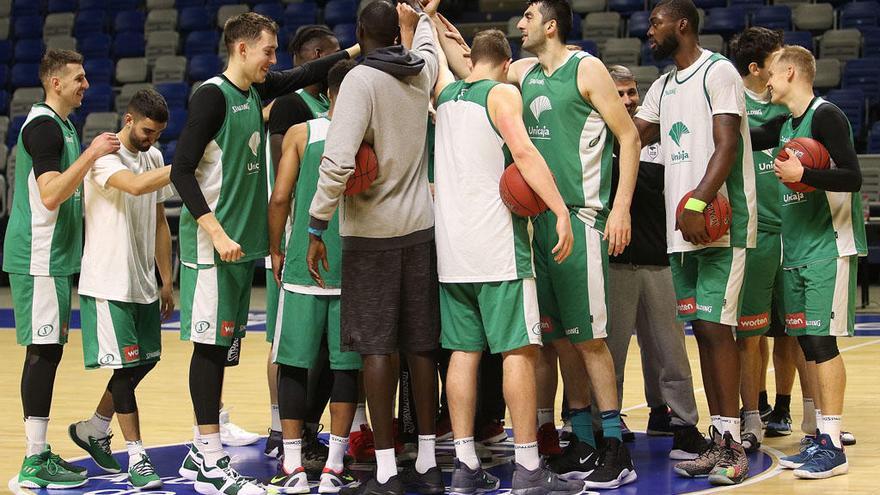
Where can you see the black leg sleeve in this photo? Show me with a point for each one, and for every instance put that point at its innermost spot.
(38, 378)
(320, 385)
(345, 388)
(292, 384)
(206, 381)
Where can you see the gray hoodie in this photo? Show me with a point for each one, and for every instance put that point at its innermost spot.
(383, 101)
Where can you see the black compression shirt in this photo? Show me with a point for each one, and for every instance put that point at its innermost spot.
(288, 111)
(43, 140)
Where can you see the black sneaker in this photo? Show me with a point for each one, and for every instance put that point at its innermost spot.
(542, 481)
(577, 461)
(687, 443)
(766, 410)
(625, 432)
(467, 481)
(615, 467)
(372, 487)
(660, 422)
(750, 442)
(274, 444)
(847, 438)
(314, 452)
(427, 483)
(778, 424)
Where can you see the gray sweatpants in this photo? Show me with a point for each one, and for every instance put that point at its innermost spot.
(642, 299)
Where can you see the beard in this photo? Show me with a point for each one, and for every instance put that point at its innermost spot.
(141, 145)
(665, 50)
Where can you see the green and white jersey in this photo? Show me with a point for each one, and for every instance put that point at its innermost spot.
(39, 241)
(296, 276)
(571, 136)
(761, 111)
(478, 238)
(232, 177)
(319, 105)
(818, 225)
(683, 103)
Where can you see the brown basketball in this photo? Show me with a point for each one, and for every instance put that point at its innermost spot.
(717, 215)
(517, 195)
(811, 153)
(366, 169)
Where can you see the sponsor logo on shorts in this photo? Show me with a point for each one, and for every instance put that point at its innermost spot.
(108, 359)
(202, 326)
(704, 308)
(151, 355)
(45, 330)
(814, 323)
(536, 328)
(687, 306)
(796, 321)
(227, 328)
(546, 324)
(754, 322)
(131, 353)
(573, 331)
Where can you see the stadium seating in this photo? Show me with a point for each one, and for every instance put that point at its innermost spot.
(129, 21)
(132, 70)
(227, 11)
(61, 42)
(842, 44)
(99, 70)
(864, 74)
(800, 38)
(852, 102)
(776, 17)
(204, 66)
(176, 121)
(175, 93)
(274, 11)
(129, 44)
(57, 24)
(813, 17)
(169, 68)
(861, 13)
(96, 45)
(725, 21)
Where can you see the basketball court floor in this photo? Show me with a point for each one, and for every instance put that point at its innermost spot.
(166, 417)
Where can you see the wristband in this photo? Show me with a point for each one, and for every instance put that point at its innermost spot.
(316, 232)
(695, 204)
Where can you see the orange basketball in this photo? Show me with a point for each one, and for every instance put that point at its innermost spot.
(717, 215)
(811, 153)
(517, 195)
(366, 169)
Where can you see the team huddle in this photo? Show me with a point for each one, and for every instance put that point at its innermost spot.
(427, 268)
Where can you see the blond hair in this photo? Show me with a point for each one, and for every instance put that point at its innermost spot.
(800, 58)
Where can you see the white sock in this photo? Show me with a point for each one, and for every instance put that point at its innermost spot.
(135, 451)
(466, 452)
(526, 455)
(386, 465)
(832, 425)
(35, 434)
(100, 423)
(716, 422)
(426, 459)
(808, 424)
(731, 425)
(292, 454)
(360, 417)
(819, 422)
(338, 446)
(753, 424)
(210, 447)
(545, 415)
(276, 418)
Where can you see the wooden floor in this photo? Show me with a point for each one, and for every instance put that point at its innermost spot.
(166, 416)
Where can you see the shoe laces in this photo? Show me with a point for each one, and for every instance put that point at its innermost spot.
(808, 444)
(104, 443)
(823, 454)
(144, 467)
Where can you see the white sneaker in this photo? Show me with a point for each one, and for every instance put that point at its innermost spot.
(295, 482)
(233, 435)
(222, 479)
(191, 464)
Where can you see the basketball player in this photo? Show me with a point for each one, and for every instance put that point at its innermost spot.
(698, 113)
(388, 268)
(220, 172)
(823, 234)
(42, 251)
(121, 307)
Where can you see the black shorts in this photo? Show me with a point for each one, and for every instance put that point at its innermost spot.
(390, 300)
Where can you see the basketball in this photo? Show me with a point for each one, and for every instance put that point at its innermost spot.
(717, 214)
(811, 153)
(366, 169)
(517, 195)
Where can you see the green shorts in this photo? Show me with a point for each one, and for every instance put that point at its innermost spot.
(119, 334)
(271, 305)
(573, 296)
(502, 315)
(820, 298)
(762, 285)
(708, 284)
(304, 320)
(42, 308)
(214, 302)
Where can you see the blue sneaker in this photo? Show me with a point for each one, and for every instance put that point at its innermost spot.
(827, 461)
(808, 446)
(778, 424)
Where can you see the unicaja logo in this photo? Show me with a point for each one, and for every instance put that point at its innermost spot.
(540, 105)
(677, 131)
(254, 142)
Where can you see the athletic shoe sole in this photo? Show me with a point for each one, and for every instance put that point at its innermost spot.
(241, 443)
(682, 455)
(71, 432)
(51, 486)
(188, 474)
(292, 490)
(809, 475)
(456, 491)
(575, 475)
(685, 474)
(718, 479)
(790, 465)
(149, 486)
(626, 477)
(771, 433)
(658, 433)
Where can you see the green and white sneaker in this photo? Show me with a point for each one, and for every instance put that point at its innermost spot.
(97, 447)
(73, 468)
(142, 475)
(223, 479)
(191, 464)
(41, 471)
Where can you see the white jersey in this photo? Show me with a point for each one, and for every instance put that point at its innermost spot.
(683, 103)
(118, 261)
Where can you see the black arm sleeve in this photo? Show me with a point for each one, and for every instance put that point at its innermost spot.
(43, 140)
(766, 136)
(831, 128)
(207, 110)
(288, 111)
(281, 83)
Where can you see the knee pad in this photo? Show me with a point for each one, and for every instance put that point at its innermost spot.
(45, 354)
(122, 388)
(292, 387)
(819, 349)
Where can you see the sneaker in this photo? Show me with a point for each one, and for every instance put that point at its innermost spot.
(467, 481)
(295, 482)
(98, 448)
(687, 443)
(372, 487)
(334, 481)
(223, 479)
(444, 429)
(660, 422)
(542, 481)
(765, 410)
(750, 442)
(847, 438)
(41, 471)
(233, 435)
(142, 475)
(191, 465)
(565, 432)
(733, 467)
(409, 453)
(827, 461)
(491, 432)
(615, 467)
(483, 452)
(809, 445)
(778, 424)
(314, 451)
(360, 445)
(705, 462)
(576, 461)
(548, 440)
(274, 444)
(73, 468)
(429, 482)
(625, 433)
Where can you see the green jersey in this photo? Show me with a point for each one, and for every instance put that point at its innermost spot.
(39, 241)
(818, 225)
(319, 105)
(571, 136)
(295, 268)
(761, 111)
(232, 176)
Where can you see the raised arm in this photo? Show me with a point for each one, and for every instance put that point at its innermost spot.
(284, 82)
(279, 203)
